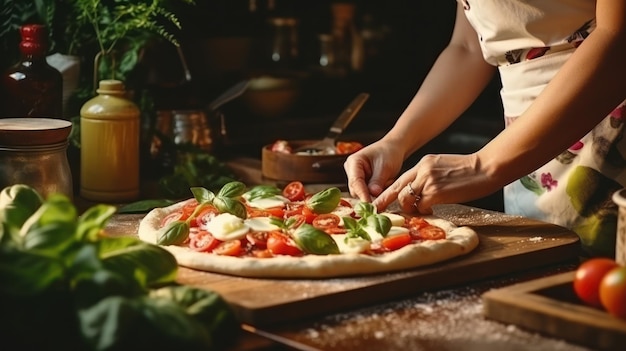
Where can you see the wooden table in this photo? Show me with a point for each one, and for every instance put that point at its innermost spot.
(431, 308)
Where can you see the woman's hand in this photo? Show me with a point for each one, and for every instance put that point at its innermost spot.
(372, 169)
(439, 179)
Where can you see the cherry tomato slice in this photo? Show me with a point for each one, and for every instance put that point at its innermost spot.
(172, 217)
(347, 147)
(228, 248)
(279, 244)
(294, 191)
(205, 215)
(188, 208)
(257, 239)
(308, 214)
(295, 221)
(326, 220)
(203, 241)
(394, 242)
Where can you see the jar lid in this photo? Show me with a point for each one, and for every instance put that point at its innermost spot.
(33, 131)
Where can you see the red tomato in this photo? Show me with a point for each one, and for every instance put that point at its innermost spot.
(278, 211)
(281, 146)
(395, 242)
(293, 209)
(203, 241)
(431, 232)
(257, 239)
(588, 277)
(613, 292)
(309, 215)
(228, 248)
(279, 244)
(326, 220)
(348, 147)
(188, 208)
(205, 215)
(172, 217)
(294, 191)
(296, 221)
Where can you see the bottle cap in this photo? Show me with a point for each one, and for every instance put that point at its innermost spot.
(110, 86)
(34, 38)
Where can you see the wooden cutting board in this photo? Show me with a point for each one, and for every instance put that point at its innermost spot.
(549, 306)
(507, 244)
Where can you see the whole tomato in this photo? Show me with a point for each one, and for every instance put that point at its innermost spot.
(588, 277)
(613, 292)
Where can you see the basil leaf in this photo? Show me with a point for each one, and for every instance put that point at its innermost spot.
(202, 195)
(92, 221)
(380, 223)
(355, 229)
(175, 233)
(232, 189)
(324, 201)
(262, 192)
(17, 203)
(232, 206)
(364, 209)
(144, 206)
(315, 241)
(128, 256)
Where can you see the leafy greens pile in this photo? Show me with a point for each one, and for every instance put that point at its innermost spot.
(65, 286)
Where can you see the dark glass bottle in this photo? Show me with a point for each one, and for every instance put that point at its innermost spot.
(32, 88)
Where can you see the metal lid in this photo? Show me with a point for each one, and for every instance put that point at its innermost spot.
(24, 131)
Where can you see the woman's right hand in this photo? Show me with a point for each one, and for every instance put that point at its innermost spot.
(371, 169)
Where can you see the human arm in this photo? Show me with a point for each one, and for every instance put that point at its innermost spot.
(586, 88)
(457, 77)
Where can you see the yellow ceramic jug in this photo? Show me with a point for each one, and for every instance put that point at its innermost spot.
(109, 151)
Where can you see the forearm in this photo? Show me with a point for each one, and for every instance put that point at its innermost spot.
(583, 92)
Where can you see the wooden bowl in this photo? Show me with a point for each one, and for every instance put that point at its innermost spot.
(305, 168)
(26, 131)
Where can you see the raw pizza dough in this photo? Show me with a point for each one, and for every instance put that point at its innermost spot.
(459, 241)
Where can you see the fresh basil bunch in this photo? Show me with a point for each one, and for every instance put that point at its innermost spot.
(368, 218)
(76, 289)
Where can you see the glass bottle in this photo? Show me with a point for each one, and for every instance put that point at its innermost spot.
(109, 151)
(32, 88)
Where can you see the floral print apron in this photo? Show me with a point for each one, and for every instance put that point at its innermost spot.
(529, 41)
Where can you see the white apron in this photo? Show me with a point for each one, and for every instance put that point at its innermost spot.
(529, 41)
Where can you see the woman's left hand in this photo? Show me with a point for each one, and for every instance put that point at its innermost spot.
(438, 179)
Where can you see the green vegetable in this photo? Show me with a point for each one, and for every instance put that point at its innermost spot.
(324, 201)
(17, 203)
(81, 291)
(174, 233)
(144, 206)
(262, 192)
(314, 241)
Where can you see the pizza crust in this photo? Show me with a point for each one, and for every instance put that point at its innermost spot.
(459, 241)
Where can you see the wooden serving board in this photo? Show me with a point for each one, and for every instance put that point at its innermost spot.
(549, 306)
(507, 244)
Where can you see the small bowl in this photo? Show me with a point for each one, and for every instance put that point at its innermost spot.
(26, 131)
(305, 168)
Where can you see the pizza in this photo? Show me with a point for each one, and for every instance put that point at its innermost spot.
(270, 232)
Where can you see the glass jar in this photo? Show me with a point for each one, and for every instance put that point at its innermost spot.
(33, 151)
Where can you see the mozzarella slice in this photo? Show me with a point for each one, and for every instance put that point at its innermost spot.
(226, 226)
(353, 245)
(261, 224)
(343, 211)
(396, 219)
(269, 202)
